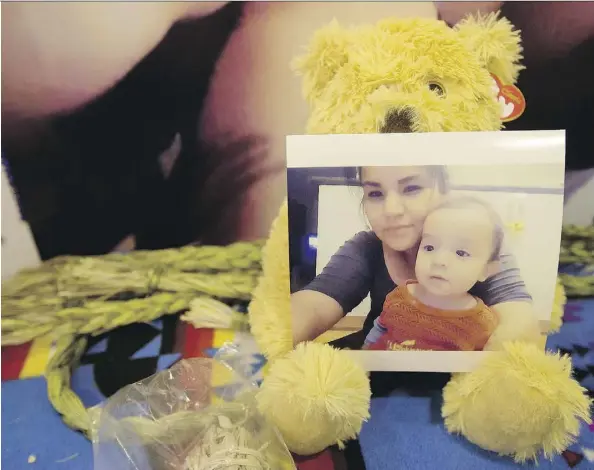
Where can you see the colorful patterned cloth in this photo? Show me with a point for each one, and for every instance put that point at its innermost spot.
(405, 424)
(576, 338)
(128, 354)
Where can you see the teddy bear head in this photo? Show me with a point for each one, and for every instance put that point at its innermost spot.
(409, 75)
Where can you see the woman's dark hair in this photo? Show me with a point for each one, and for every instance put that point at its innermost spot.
(438, 173)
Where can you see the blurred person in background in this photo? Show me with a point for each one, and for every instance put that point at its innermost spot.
(160, 124)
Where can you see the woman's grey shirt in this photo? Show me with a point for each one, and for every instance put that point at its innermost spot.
(358, 269)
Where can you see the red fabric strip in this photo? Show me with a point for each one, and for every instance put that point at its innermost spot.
(195, 341)
(13, 360)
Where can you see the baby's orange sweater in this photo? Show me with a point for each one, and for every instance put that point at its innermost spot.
(411, 324)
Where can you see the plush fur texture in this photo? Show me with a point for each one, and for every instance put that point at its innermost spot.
(314, 395)
(520, 402)
(316, 398)
(269, 311)
(407, 76)
(355, 78)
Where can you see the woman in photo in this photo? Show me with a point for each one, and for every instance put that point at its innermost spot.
(396, 201)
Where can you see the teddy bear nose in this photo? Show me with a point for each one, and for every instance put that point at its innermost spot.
(397, 121)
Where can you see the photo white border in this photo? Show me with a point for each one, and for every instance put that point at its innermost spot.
(418, 361)
(480, 148)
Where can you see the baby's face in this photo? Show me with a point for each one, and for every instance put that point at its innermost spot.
(455, 249)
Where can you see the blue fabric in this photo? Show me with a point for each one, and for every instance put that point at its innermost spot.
(407, 432)
(30, 426)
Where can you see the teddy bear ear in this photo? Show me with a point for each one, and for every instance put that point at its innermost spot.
(496, 44)
(325, 55)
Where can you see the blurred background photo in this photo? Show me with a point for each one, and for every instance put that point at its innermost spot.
(151, 125)
(326, 210)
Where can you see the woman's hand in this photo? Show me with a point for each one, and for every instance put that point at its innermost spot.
(58, 56)
(312, 314)
(517, 322)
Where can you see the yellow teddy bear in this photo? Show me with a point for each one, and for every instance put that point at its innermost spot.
(410, 75)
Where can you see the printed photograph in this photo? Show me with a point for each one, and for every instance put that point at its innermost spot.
(133, 126)
(395, 252)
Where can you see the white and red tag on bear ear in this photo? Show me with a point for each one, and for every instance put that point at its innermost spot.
(510, 99)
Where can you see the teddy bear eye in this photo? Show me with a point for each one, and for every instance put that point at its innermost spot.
(436, 88)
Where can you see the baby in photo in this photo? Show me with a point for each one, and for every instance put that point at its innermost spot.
(460, 246)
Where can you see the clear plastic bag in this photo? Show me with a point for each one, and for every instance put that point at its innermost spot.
(199, 415)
